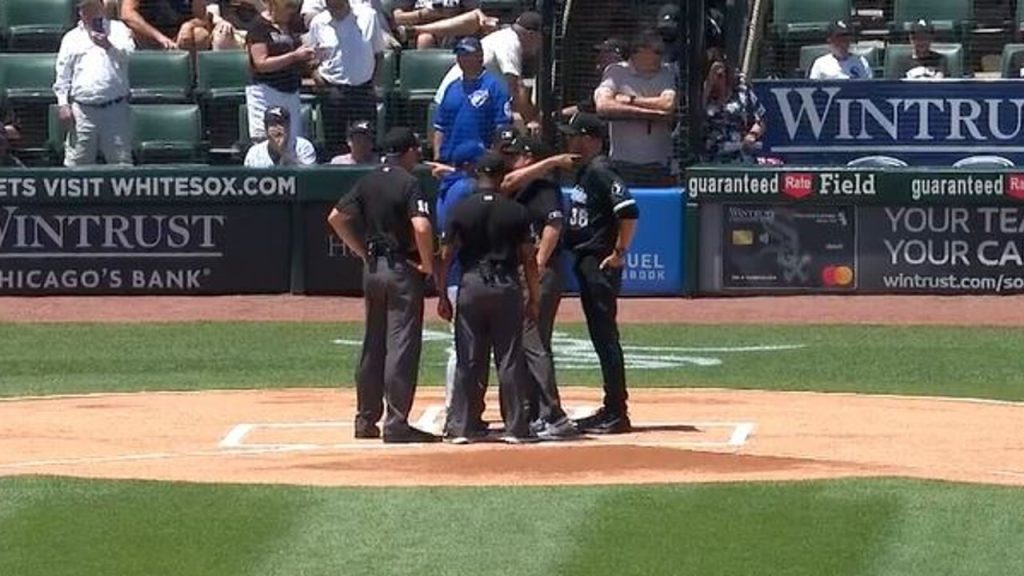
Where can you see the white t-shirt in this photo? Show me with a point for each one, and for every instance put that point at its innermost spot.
(258, 155)
(352, 42)
(828, 67)
(638, 141)
(503, 56)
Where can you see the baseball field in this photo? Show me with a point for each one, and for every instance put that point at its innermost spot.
(211, 436)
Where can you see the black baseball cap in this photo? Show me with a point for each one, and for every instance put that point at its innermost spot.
(668, 16)
(530, 21)
(504, 137)
(922, 25)
(364, 127)
(839, 28)
(530, 145)
(277, 116)
(583, 124)
(491, 163)
(616, 45)
(400, 140)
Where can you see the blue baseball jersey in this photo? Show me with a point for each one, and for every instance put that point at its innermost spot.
(454, 188)
(472, 109)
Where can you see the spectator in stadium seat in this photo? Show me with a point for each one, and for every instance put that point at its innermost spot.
(350, 45)
(310, 8)
(840, 63)
(611, 51)
(734, 117)
(7, 159)
(504, 53)
(168, 24)
(278, 60)
(280, 148)
(474, 107)
(232, 20)
(360, 146)
(667, 25)
(924, 63)
(638, 97)
(9, 126)
(92, 88)
(429, 23)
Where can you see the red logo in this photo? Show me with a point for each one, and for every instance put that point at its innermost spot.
(1015, 186)
(798, 186)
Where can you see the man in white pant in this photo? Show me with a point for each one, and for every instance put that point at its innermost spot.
(92, 88)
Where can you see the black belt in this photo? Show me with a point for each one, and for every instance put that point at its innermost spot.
(106, 104)
(491, 273)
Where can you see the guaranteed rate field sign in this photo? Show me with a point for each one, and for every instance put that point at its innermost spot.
(932, 123)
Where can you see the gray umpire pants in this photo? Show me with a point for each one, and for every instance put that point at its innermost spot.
(389, 367)
(545, 402)
(490, 315)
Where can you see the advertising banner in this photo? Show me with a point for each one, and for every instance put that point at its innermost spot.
(328, 265)
(935, 123)
(85, 248)
(941, 249)
(654, 263)
(786, 248)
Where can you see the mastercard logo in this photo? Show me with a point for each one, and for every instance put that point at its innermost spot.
(837, 276)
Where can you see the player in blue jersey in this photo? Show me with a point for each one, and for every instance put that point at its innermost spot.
(474, 107)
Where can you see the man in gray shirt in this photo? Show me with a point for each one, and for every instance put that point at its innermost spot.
(638, 97)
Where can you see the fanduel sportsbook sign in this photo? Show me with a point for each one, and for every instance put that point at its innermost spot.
(922, 123)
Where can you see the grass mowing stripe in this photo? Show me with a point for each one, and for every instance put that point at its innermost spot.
(845, 527)
(77, 358)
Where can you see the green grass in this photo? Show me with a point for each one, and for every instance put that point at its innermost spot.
(77, 358)
(57, 527)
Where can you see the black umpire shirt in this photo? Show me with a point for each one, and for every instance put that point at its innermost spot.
(488, 228)
(599, 199)
(543, 200)
(383, 201)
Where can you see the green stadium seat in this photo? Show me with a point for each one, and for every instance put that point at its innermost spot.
(810, 53)
(167, 133)
(56, 135)
(389, 74)
(160, 77)
(221, 78)
(28, 76)
(421, 71)
(945, 15)
(804, 18)
(896, 55)
(27, 81)
(35, 25)
(1013, 60)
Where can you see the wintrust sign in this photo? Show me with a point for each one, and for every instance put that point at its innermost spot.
(945, 121)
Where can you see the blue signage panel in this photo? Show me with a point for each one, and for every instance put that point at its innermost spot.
(654, 264)
(923, 123)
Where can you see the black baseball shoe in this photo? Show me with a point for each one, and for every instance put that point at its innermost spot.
(366, 430)
(605, 422)
(410, 435)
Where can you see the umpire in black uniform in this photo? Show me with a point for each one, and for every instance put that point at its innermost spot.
(602, 222)
(491, 235)
(542, 198)
(397, 247)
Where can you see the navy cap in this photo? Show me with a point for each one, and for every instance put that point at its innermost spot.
(922, 25)
(491, 163)
(361, 127)
(583, 124)
(504, 137)
(468, 45)
(616, 45)
(400, 140)
(839, 28)
(668, 16)
(277, 116)
(530, 145)
(468, 152)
